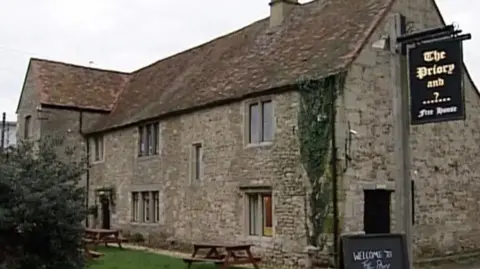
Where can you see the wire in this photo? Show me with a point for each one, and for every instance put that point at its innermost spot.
(10, 70)
(16, 50)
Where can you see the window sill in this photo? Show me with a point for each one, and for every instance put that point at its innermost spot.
(146, 224)
(97, 162)
(196, 181)
(260, 238)
(260, 145)
(147, 157)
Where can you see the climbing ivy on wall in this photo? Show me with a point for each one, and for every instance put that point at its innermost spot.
(315, 133)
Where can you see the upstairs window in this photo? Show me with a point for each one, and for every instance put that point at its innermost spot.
(260, 122)
(98, 148)
(196, 161)
(26, 127)
(148, 139)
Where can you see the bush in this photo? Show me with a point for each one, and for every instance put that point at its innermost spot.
(137, 238)
(41, 207)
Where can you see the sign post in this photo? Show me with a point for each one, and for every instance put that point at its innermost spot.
(434, 72)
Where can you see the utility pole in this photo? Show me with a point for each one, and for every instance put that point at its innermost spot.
(4, 122)
(401, 126)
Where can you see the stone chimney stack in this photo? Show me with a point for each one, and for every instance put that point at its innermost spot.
(279, 10)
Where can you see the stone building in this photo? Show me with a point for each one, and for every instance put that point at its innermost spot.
(203, 145)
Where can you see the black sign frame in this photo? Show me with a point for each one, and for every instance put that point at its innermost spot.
(448, 104)
(344, 253)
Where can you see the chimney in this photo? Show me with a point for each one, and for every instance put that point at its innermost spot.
(279, 10)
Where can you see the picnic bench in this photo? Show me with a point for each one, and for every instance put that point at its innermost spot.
(234, 255)
(88, 252)
(105, 236)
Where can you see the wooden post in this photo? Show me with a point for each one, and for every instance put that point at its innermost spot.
(401, 126)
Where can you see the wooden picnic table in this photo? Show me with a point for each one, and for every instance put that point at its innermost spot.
(235, 254)
(103, 236)
(88, 252)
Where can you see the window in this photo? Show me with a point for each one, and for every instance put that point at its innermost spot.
(98, 148)
(26, 130)
(260, 214)
(148, 139)
(260, 122)
(146, 207)
(156, 207)
(197, 153)
(135, 207)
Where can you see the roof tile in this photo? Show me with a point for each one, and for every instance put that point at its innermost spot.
(70, 85)
(315, 40)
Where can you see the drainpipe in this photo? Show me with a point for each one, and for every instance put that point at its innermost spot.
(334, 172)
(87, 184)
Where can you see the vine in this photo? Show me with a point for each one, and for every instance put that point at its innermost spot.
(314, 132)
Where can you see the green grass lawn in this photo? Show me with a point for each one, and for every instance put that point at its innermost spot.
(115, 258)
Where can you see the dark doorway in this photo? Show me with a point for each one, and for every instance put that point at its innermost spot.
(376, 215)
(105, 212)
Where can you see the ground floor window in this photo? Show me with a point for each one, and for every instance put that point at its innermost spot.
(135, 207)
(260, 214)
(145, 206)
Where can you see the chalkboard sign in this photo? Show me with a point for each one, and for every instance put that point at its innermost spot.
(373, 251)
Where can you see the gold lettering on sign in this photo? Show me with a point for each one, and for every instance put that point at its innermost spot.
(435, 70)
(436, 83)
(434, 56)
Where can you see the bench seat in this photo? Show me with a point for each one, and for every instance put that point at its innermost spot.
(218, 261)
(256, 259)
(95, 254)
(193, 259)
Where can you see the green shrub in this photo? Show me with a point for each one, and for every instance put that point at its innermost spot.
(137, 238)
(41, 206)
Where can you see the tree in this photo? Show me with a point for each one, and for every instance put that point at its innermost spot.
(41, 207)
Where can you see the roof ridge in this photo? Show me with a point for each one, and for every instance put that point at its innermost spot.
(80, 66)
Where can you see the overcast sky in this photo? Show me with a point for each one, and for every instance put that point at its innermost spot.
(126, 34)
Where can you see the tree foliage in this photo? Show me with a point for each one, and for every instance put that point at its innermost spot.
(41, 207)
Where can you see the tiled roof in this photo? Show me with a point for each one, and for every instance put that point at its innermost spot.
(315, 40)
(70, 85)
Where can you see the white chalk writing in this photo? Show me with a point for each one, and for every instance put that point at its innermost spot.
(374, 259)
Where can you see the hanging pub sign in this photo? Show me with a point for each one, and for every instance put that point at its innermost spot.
(436, 88)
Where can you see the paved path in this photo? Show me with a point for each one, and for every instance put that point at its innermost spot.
(157, 251)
